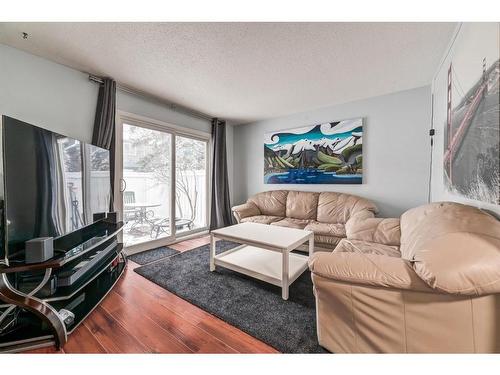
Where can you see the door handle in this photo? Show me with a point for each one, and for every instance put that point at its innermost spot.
(124, 185)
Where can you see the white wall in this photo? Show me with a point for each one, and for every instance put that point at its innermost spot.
(61, 99)
(55, 97)
(46, 94)
(470, 44)
(396, 150)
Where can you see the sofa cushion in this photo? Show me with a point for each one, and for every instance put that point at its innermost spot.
(272, 203)
(357, 246)
(380, 230)
(337, 230)
(261, 219)
(291, 223)
(338, 207)
(301, 205)
(329, 242)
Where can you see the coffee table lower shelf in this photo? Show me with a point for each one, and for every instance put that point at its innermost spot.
(264, 265)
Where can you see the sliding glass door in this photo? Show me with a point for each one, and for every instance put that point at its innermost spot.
(146, 184)
(163, 181)
(191, 184)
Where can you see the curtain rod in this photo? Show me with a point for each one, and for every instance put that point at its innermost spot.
(170, 105)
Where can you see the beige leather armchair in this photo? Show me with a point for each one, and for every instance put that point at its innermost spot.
(427, 282)
(325, 213)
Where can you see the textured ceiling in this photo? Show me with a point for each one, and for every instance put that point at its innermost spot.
(245, 71)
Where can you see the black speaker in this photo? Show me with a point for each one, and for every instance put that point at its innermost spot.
(98, 216)
(112, 217)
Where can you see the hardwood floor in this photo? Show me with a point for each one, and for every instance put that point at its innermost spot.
(138, 316)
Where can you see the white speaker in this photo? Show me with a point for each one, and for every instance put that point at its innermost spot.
(39, 249)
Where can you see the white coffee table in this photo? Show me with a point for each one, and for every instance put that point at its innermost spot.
(265, 253)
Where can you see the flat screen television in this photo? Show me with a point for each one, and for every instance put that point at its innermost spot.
(51, 184)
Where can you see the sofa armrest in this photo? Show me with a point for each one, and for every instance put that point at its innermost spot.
(245, 210)
(367, 269)
(363, 214)
(379, 230)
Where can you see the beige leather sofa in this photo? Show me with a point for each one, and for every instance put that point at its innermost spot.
(427, 282)
(325, 214)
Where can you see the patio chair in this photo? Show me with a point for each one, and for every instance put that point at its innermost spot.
(162, 225)
(129, 213)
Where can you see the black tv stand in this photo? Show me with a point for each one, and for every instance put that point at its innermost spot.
(30, 312)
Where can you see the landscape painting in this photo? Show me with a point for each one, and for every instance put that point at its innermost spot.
(329, 153)
(472, 129)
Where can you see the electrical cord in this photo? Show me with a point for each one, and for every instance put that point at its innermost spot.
(431, 134)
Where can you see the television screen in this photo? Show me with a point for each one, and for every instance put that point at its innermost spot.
(53, 184)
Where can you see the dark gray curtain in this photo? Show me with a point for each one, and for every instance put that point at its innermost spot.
(104, 126)
(220, 215)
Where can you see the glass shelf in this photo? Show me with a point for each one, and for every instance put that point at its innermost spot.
(69, 247)
(91, 258)
(66, 292)
(27, 330)
(84, 302)
(31, 332)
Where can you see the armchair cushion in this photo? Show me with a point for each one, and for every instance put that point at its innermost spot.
(367, 269)
(421, 225)
(245, 210)
(455, 248)
(461, 263)
(383, 231)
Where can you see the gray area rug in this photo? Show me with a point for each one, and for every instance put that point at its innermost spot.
(253, 306)
(152, 255)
